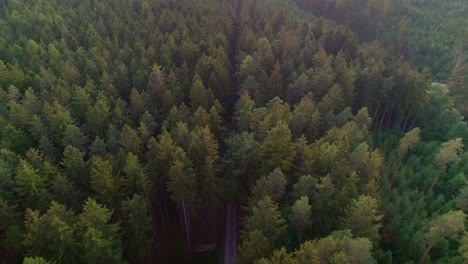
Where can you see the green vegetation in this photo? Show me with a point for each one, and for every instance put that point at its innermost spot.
(141, 131)
(428, 33)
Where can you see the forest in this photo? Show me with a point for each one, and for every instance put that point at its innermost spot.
(233, 131)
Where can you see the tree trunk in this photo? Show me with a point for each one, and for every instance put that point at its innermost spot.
(382, 119)
(387, 124)
(213, 226)
(435, 180)
(181, 220)
(397, 170)
(187, 229)
(426, 253)
(377, 109)
(412, 124)
(407, 117)
(155, 235)
(160, 207)
(165, 209)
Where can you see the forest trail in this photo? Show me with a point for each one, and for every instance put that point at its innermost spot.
(230, 242)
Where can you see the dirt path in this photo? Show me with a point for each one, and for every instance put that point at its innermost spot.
(230, 242)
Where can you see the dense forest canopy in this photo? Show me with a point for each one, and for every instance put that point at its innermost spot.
(247, 131)
(429, 33)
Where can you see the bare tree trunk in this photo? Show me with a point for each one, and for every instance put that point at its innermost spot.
(382, 119)
(377, 109)
(412, 124)
(426, 253)
(407, 117)
(187, 228)
(181, 221)
(390, 115)
(435, 179)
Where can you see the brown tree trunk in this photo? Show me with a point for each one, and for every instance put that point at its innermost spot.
(426, 253)
(435, 180)
(407, 117)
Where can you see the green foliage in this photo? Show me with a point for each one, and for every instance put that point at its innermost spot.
(277, 150)
(409, 139)
(449, 152)
(98, 238)
(51, 235)
(301, 214)
(30, 186)
(447, 225)
(265, 218)
(103, 183)
(182, 181)
(339, 247)
(254, 247)
(141, 120)
(36, 260)
(362, 218)
(136, 226)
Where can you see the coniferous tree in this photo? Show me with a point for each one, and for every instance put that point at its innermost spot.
(277, 150)
(448, 154)
(103, 183)
(362, 218)
(51, 235)
(136, 227)
(447, 225)
(98, 238)
(406, 143)
(300, 215)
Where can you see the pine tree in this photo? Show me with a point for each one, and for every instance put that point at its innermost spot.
(200, 95)
(446, 225)
(241, 158)
(103, 183)
(254, 247)
(51, 235)
(448, 154)
(74, 167)
(98, 116)
(406, 143)
(30, 186)
(244, 108)
(278, 184)
(99, 239)
(277, 150)
(265, 218)
(135, 179)
(130, 141)
(136, 227)
(362, 218)
(182, 187)
(301, 215)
